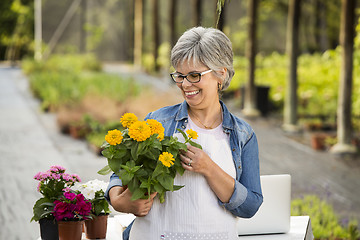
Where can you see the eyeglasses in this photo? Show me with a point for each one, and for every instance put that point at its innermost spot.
(193, 77)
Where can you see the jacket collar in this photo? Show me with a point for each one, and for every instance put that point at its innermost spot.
(182, 114)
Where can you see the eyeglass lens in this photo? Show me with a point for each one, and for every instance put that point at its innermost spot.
(191, 77)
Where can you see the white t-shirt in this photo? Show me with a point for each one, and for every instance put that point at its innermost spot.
(193, 212)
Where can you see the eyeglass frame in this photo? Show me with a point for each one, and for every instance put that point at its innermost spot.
(185, 76)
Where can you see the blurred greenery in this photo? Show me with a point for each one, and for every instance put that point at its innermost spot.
(324, 222)
(318, 80)
(67, 79)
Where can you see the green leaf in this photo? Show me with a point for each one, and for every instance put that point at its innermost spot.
(141, 148)
(133, 184)
(158, 170)
(182, 133)
(166, 181)
(120, 153)
(158, 187)
(108, 152)
(114, 164)
(138, 193)
(134, 151)
(177, 187)
(105, 170)
(125, 176)
(180, 170)
(194, 144)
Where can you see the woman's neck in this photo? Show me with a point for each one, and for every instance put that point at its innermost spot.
(207, 118)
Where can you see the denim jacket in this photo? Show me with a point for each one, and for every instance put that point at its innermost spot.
(247, 196)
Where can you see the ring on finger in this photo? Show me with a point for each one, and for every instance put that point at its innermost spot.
(189, 164)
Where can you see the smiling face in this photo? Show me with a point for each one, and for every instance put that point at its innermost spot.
(200, 95)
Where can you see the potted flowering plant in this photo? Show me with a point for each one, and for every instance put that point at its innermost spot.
(144, 159)
(52, 184)
(93, 190)
(70, 210)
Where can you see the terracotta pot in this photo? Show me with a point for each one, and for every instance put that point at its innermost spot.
(48, 229)
(96, 228)
(318, 141)
(70, 230)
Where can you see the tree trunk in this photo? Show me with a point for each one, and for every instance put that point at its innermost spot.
(172, 10)
(290, 111)
(138, 27)
(221, 22)
(320, 26)
(197, 12)
(156, 33)
(344, 100)
(250, 109)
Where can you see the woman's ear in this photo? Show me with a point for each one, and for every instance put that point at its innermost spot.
(223, 72)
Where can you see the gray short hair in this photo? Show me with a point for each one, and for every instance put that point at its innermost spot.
(208, 46)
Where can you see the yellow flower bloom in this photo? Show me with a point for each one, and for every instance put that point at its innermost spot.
(127, 119)
(114, 137)
(192, 134)
(167, 159)
(139, 131)
(156, 127)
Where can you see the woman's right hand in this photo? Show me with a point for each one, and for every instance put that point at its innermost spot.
(120, 199)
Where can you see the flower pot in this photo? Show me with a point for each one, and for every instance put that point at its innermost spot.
(70, 230)
(48, 229)
(96, 228)
(318, 141)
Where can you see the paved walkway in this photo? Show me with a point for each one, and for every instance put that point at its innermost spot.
(30, 142)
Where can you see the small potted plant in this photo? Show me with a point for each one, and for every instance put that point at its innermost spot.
(94, 190)
(52, 184)
(70, 211)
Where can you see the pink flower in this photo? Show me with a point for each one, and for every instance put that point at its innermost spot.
(63, 210)
(69, 195)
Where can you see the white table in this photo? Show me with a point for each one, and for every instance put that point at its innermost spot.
(300, 229)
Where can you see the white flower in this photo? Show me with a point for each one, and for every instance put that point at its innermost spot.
(89, 188)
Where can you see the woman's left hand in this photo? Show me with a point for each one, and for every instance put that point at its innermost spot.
(196, 160)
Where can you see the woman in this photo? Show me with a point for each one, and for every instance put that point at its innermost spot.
(221, 181)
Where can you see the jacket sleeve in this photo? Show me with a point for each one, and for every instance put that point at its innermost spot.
(247, 196)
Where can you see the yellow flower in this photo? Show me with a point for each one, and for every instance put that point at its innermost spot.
(156, 127)
(114, 137)
(139, 131)
(192, 134)
(127, 119)
(167, 159)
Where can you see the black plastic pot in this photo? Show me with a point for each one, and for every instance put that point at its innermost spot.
(48, 229)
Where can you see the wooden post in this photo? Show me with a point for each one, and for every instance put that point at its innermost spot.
(344, 128)
(250, 109)
(290, 108)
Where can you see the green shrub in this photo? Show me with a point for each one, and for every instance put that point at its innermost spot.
(324, 222)
(318, 80)
(67, 79)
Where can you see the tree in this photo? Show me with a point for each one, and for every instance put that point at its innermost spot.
(250, 107)
(156, 32)
(344, 128)
(138, 28)
(197, 12)
(172, 11)
(290, 111)
(221, 18)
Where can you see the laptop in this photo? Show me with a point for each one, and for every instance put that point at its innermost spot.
(273, 215)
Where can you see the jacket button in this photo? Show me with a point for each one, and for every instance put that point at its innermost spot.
(239, 167)
(183, 127)
(186, 121)
(233, 149)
